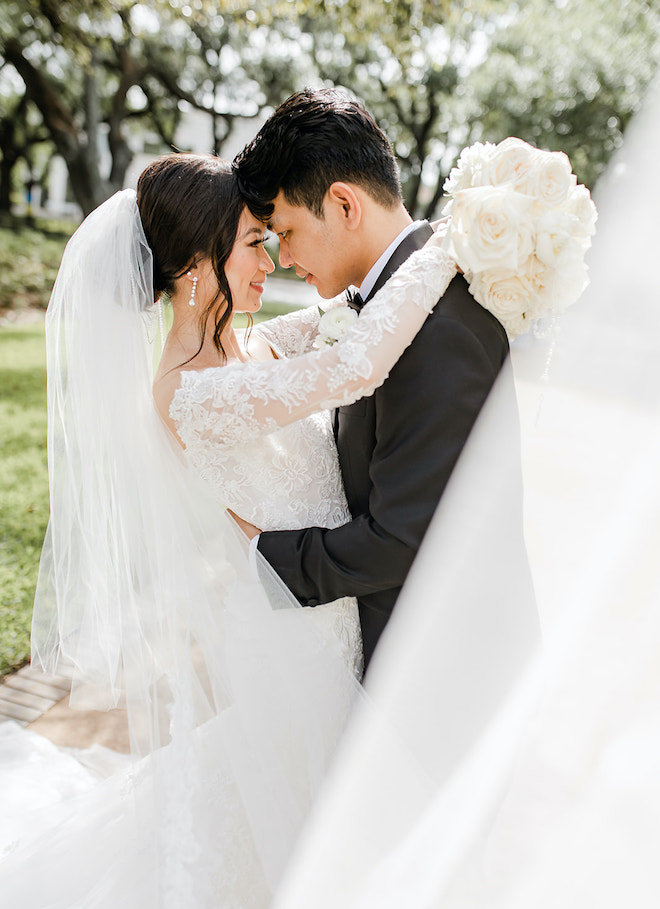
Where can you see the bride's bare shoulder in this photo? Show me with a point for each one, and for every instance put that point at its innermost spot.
(257, 347)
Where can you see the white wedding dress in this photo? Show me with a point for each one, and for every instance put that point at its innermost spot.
(287, 478)
(284, 479)
(236, 701)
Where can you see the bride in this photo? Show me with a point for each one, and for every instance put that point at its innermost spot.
(235, 697)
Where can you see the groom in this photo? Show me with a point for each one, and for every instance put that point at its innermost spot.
(324, 176)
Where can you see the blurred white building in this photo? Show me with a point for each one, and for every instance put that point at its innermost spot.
(194, 134)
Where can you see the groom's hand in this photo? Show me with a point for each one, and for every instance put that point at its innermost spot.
(249, 530)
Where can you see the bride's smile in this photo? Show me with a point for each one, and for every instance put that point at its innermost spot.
(248, 265)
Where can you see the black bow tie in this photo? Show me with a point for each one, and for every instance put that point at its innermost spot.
(354, 300)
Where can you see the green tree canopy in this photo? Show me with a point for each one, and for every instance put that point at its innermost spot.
(437, 74)
(115, 67)
(566, 75)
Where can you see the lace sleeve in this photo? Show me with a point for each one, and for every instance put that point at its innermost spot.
(229, 404)
(293, 334)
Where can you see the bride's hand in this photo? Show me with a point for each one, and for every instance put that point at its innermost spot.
(441, 225)
(249, 530)
(440, 228)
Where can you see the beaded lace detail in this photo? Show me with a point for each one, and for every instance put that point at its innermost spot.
(226, 406)
(252, 430)
(294, 334)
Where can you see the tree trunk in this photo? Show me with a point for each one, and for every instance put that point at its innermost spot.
(12, 150)
(431, 208)
(88, 190)
(413, 185)
(120, 150)
(6, 169)
(88, 193)
(8, 160)
(90, 148)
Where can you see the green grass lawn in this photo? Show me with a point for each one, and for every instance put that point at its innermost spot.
(23, 484)
(29, 259)
(24, 481)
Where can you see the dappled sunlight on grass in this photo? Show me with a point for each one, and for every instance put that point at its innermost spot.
(24, 503)
(23, 484)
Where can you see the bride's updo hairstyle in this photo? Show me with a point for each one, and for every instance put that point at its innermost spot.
(190, 207)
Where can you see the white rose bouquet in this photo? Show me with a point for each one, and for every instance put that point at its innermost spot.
(333, 325)
(519, 228)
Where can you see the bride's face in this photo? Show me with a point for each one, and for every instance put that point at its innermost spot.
(248, 264)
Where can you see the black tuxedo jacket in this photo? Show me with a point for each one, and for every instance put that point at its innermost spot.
(397, 450)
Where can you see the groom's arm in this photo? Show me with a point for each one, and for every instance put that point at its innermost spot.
(425, 412)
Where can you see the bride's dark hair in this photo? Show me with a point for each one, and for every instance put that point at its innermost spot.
(190, 207)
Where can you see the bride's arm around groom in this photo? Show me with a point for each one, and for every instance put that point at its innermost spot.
(339, 187)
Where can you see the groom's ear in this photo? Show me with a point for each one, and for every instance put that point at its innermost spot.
(343, 200)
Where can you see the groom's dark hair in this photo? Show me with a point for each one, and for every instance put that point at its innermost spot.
(315, 138)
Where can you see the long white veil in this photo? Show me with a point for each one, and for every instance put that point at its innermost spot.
(146, 596)
(525, 778)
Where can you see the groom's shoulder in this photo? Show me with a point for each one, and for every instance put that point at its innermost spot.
(457, 306)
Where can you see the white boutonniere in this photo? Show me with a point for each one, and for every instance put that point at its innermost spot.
(333, 325)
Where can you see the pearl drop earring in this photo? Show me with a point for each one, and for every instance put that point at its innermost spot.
(191, 301)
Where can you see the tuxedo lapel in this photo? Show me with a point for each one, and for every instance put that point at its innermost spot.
(414, 240)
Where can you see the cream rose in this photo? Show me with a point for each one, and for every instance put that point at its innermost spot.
(551, 179)
(511, 162)
(554, 239)
(509, 297)
(581, 206)
(471, 168)
(519, 228)
(538, 278)
(490, 228)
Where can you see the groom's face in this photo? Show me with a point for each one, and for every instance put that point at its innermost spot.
(314, 246)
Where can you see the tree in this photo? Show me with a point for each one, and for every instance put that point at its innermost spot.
(102, 69)
(566, 75)
(60, 72)
(19, 137)
(406, 74)
(437, 74)
(392, 54)
(562, 74)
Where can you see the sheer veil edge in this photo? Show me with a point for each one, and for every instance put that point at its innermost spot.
(147, 599)
(524, 776)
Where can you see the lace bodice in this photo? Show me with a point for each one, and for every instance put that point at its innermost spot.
(259, 433)
(252, 430)
(295, 333)
(282, 480)
(225, 407)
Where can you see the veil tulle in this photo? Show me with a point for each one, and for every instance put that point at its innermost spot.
(522, 777)
(146, 597)
(481, 772)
